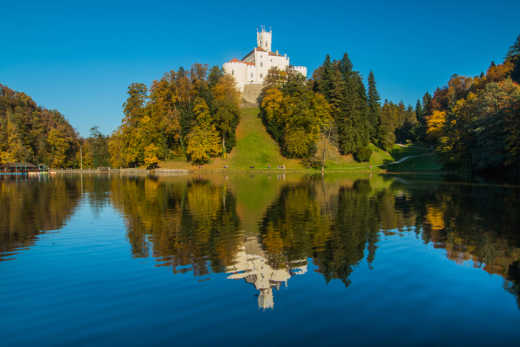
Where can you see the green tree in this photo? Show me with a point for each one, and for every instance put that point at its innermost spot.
(98, 148)
(374, 107)
(226, 104)
(513, 56)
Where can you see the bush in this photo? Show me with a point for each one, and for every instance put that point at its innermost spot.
(363, 154)
(311, 162)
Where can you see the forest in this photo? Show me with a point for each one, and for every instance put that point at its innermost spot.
(189, 113)
(333, 107)
(29, 133)
(472, 123)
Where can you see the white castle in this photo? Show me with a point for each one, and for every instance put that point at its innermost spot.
(253, 68)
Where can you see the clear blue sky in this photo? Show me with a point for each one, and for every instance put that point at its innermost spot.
(80, 58)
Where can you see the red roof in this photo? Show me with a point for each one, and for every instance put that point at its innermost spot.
(235, 60)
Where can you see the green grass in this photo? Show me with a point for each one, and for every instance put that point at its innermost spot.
(347, 162)
(401, 151)
(425, 159)
(255, 147)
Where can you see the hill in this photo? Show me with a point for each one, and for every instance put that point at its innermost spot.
(30, 133)
(255, 148)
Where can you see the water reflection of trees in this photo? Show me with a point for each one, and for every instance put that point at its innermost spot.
(335, 232)
(30, 208)
(339, 227)
(192, 224)
(184, 225)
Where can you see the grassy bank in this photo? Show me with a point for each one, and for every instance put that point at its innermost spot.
(256, 149)
(414, 158)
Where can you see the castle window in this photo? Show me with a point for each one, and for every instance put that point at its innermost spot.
(261, 64)
(261, 76)
(233, 72)
(251, 75)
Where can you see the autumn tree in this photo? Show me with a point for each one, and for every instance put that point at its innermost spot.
(203, 141)
(226, 105)
(294, 115)
(30, 133)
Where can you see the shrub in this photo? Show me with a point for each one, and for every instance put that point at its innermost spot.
(363, 154)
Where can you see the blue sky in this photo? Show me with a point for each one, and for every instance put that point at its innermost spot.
(80, 58)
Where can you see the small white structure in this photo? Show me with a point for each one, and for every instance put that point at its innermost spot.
(253, 68)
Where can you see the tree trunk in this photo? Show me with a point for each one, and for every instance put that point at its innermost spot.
(223, 147)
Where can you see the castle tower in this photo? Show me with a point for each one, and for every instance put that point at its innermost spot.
(263, 39)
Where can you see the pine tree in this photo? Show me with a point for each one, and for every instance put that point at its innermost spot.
(323, 77)
(418, 110)
(513, 55)
(374, 107)
(387, 127)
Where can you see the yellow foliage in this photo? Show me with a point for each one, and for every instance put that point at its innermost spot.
(435, 218)
(150, 155)
(202, 144)
(272, 103)
(226, 91)
(435, 123)
(499, 72)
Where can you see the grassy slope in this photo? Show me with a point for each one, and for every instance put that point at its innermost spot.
(255, 148)
(423, 159)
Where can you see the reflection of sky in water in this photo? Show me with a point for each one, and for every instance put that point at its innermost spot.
(82, 285)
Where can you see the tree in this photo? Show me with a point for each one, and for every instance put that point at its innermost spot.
(295, 115)
(374, 107)
(97, 145)
(513, 56)
(203, 143)
(151, 159)
(132, 135)
(387, 127)
(59, 146)
(25, 130)
(115, 148)
(226, 103)
(214, 76)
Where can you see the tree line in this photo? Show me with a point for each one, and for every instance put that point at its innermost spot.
(30, 133)
(189, 113)
(334, 106)
(474, 122)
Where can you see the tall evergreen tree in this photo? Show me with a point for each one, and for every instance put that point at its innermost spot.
(323, 77)
(387, 127)
(513, 55)
(345, 92)
(418, 110)
(374, 107)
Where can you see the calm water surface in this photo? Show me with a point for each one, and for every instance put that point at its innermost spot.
(258, 260)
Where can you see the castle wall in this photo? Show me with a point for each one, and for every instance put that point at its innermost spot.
(251, 93)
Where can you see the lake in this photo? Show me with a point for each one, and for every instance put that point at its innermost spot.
(258, 259)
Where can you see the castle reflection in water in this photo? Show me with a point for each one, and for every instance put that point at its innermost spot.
(252, 266)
